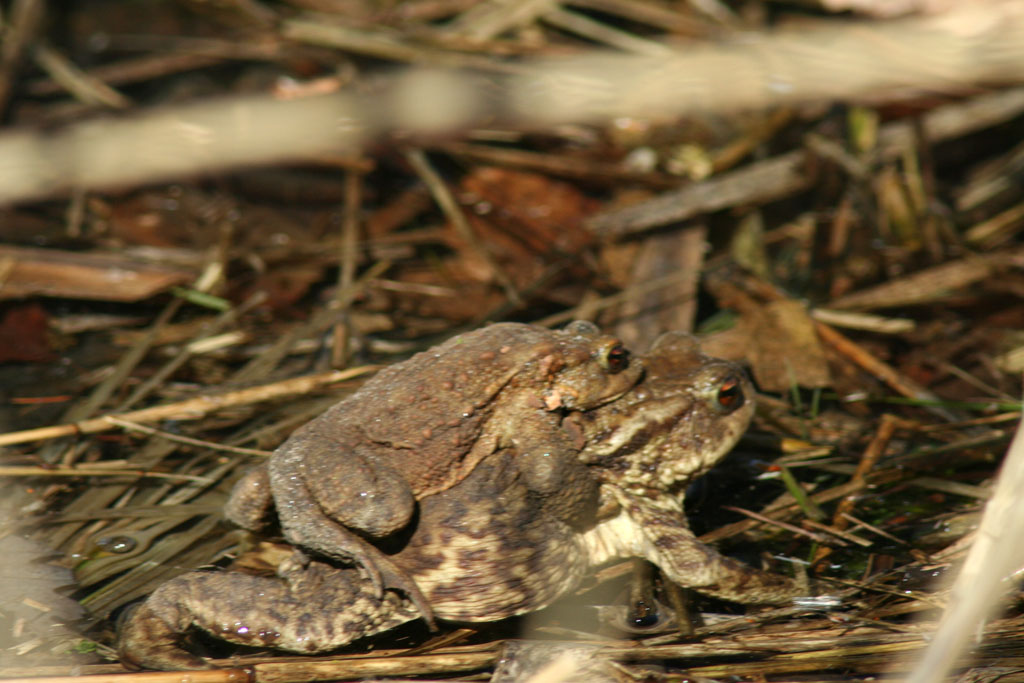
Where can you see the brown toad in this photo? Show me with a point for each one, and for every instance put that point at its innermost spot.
(420, 426)
(503, 541)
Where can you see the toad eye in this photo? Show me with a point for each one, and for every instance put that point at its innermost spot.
(730, 395)
(615, 358)
(644, 616)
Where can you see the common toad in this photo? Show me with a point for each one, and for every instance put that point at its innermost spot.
(503, 541)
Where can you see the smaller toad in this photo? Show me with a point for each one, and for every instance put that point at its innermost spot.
(648, 446)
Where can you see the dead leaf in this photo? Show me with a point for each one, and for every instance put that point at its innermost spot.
(932, 283)
(541, 214)
(785, 349)
(25, 335)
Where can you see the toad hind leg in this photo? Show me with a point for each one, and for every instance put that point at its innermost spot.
(249, 507)
(308, 522)
(306, 610)
(324, 536)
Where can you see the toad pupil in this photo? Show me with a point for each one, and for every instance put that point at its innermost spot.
(730, 395)
(644, 615)
(617, 358)
(117, 544)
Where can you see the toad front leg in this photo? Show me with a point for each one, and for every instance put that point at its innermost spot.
(662, 537)
(305, 609)
(251, 500)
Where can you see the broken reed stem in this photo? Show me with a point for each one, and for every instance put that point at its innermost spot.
(207, 331)
(868, 460)
(591, 307)
(329, 670)
(261, 365)
(792, 528)
(352, 205)
(124, 367)
(875, 449)
(291, 671)
(896, 381)
(446, 201)
(192, 409)
(876, 478)
(187, 440)
(28, 471)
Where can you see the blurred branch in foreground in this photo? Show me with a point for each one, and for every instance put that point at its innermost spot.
(986, 574)
(967, 47)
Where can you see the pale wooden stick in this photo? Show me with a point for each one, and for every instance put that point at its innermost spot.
(192, 409)
(210, 676)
